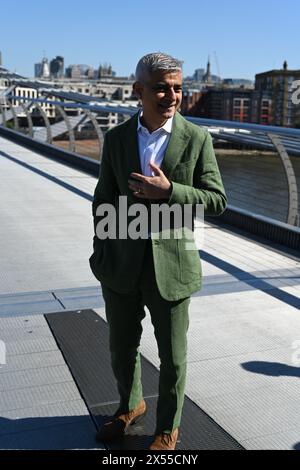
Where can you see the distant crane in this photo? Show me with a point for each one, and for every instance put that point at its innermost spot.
(217, 63)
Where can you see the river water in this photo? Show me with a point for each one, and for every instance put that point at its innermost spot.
(257, 182)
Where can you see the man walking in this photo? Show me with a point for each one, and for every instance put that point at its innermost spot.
(153, 158)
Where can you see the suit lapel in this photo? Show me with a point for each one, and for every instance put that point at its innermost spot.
(176, 146)
(131, 148)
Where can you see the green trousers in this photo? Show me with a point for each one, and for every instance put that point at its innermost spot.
(170, 320)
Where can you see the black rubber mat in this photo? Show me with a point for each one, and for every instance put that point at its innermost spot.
(82, 337)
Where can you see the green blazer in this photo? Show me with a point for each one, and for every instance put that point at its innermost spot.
(190, 164)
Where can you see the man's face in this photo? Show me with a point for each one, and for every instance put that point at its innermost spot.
(161, 95)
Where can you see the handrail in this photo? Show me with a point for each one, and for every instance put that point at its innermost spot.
(284, 141)
(263, 226)
(116, 108)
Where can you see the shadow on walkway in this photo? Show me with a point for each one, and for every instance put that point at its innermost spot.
(57, 432)
(274, 369)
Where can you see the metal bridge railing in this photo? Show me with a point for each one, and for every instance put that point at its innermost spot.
(263, 177)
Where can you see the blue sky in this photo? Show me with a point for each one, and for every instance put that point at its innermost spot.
(247, 37)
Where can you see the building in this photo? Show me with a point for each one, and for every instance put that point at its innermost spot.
(222, 104)
(26, 90)
(23, 91)
(42, 69)
(57, 67)
(261, 108)
(190, 97)
(80, 71)
(115, 89)
(90, 73)
(6, 80)
(268, 103)
(202, 78)
(198, 75)
(207, 78)
(276, 88)
(237, 82)
(38, 70)
(73, 71)
(105, 71)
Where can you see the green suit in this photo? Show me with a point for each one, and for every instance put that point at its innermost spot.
(190, 164)
(159, 273)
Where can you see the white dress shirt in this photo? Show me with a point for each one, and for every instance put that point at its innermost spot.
(152, 146)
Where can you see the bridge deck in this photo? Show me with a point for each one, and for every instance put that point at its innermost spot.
(243, 324)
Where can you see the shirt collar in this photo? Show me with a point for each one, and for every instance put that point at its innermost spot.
(167, 127)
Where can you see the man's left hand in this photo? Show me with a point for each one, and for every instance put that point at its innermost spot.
(151, 187)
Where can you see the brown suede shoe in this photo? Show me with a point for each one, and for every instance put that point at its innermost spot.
(117, 426)
(165, 441)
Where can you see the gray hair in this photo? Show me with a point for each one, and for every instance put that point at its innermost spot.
(156, 61)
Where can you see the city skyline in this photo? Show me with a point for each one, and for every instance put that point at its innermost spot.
(240, 42)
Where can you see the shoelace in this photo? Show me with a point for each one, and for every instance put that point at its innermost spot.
(128, 416)
(167, 438)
